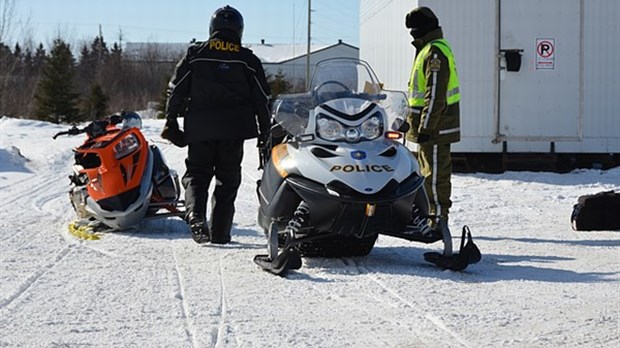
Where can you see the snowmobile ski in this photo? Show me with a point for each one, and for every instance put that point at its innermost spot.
(288, 259)
(467, 255)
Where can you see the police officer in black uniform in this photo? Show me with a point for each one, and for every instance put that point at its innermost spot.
(227, 97)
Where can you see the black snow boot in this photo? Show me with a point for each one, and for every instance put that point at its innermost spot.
(419, 230)
(199, 229)
(220, 238)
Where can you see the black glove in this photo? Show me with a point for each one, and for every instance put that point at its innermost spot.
(173, 133)
(404, 127)
(423, 138)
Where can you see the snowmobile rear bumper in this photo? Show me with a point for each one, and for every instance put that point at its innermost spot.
(132, 215)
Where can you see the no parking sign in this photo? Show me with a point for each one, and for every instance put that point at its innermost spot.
(545, 54)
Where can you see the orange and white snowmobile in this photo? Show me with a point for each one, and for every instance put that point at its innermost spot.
(118, 178)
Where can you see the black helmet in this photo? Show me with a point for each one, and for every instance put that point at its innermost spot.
(421, 21)
(226, 18)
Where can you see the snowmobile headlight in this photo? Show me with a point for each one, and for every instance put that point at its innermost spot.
(372, 128)
(126, 146)
(329, 129)
(352, 135)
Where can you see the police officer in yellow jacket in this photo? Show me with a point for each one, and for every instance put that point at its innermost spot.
(434, 118)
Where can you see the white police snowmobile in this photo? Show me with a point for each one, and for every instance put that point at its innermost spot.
(335, 175)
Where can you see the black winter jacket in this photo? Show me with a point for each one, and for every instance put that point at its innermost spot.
(226, 91)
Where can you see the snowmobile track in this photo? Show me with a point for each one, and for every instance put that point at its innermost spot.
(42, 201)
(24, 190)
(189, 330)
(32, 279)
(393, 293)
(220, 335)
(422, 339)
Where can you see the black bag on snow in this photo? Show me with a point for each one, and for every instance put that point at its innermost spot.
(597, 212)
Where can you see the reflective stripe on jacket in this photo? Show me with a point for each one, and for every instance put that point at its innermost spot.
(417, 85)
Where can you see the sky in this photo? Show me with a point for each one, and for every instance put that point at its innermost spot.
(276, 21)
(539, 283)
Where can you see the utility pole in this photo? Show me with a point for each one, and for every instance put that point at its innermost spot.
(308, 48)
(100, 54)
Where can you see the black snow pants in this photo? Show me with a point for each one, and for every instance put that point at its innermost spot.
(222, 159)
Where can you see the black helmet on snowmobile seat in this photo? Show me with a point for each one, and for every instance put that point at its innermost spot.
(227, 18)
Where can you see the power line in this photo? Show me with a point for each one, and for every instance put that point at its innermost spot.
(367, 12)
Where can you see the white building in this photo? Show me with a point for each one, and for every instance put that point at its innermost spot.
(563, 97)
(291, 59)
(285, 58)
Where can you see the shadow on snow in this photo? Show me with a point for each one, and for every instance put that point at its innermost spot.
(492, 268)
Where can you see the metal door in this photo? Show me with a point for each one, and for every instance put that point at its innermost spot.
(539, 87)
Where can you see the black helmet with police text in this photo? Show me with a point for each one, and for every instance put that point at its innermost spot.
(421, 21)
(227, 18)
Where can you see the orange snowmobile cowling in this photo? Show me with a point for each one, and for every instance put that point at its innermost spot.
(123, 157)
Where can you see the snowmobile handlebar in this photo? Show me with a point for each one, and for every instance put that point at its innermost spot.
(94, 128)
(72, 131)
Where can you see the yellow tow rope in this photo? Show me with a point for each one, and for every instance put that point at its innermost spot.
(83, 232)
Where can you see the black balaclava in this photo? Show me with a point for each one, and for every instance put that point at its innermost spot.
(421, 21)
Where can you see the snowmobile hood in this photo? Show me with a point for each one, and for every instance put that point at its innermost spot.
(366, 167)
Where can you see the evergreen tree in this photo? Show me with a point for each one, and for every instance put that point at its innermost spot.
(115, 58)
(18, 60)
(116, 50)
(39, 58)
(85, 65)
(113, 75)
(55, 99)
(85, 74)
(6, 75)
(17, 51)
(96, 106)
(278, 83)
(99, 50)
(28, 60)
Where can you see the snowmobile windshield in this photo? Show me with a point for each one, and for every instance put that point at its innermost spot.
(350, 81)
(132, 120)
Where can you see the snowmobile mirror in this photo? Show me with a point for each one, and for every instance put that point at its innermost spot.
(401, 125)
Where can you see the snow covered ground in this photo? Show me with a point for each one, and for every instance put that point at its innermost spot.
(539, 283)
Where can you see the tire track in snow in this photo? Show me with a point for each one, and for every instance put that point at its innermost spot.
(220, 335)
(189, 330)
(432, 318)
(32, 279)
(43, 200)
(33, 221)
(21, 198)
(20, 191)
(364, 307)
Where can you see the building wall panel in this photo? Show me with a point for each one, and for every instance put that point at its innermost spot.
(472, 28)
